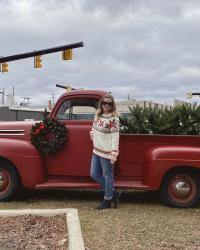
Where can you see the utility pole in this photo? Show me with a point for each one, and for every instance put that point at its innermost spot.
(3, 95)
(13, 96)
(53, 98)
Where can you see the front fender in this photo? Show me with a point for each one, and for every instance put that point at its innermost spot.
(25, 157)
(159, 160)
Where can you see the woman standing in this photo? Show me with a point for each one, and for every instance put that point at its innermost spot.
(105, 136)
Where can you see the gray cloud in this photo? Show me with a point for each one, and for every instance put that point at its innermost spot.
(149, 49)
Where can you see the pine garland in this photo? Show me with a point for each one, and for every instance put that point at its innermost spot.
(49, 135)
(178, 120)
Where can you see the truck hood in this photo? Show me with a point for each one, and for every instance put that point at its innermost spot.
(18, 130)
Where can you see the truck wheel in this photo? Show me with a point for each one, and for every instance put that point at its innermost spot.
(9, 181)
(180, 189)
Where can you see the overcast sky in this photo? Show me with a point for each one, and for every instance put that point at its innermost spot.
(149, 49)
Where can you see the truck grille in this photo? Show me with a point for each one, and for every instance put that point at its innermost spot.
(11, 132)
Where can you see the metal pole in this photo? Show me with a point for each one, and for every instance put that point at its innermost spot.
(196, 93)
(190, 94)
(63, 87)
(3, 95)
(40, 52)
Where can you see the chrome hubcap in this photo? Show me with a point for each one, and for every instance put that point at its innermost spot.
(3, 180)
(182, 188)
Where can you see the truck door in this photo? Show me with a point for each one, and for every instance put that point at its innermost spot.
(74, 158)
(132, 151)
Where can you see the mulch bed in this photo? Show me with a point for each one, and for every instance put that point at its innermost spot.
(33, 232)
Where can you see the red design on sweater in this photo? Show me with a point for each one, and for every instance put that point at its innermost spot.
(111, 124)
(100, 123)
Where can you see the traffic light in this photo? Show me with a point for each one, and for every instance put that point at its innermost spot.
(189, 95)
(68, 88)
(67, 54)
(4, 67)
(37, 61)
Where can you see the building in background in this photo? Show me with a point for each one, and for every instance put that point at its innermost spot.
(10, 111)
(123, 106)
(179, 102)
(20, 114)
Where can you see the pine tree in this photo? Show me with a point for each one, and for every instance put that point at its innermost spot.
(179, 120)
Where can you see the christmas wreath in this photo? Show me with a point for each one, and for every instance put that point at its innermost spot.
(49, 135)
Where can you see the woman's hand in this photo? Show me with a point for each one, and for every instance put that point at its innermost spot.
(113, 159)
(91, 135)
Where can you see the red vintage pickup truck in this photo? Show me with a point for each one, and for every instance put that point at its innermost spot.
(170, 164)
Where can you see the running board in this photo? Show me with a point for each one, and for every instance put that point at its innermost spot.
(90, 185)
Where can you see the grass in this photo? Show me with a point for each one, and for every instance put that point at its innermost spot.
(140, 222)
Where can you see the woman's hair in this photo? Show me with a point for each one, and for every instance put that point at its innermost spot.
(100, 109)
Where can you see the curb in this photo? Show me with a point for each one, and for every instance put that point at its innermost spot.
(72, 219)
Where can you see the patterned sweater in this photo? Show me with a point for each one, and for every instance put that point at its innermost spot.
(105, 135)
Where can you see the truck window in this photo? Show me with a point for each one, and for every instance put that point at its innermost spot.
(78, 109)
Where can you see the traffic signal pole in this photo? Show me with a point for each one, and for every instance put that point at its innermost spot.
(190, 94)
(40, 52)
(64, 87)
(196, 94)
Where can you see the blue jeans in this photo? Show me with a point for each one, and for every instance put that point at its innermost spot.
(102, 172)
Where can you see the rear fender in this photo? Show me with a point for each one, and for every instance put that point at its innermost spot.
(160, 160)
(25, 157)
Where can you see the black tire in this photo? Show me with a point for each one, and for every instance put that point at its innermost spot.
(180, 188)
(9, 181)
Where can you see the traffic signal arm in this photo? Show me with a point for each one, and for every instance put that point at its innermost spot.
(40, 52)
(190, 94)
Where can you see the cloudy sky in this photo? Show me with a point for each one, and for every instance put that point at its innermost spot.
(149, 49)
